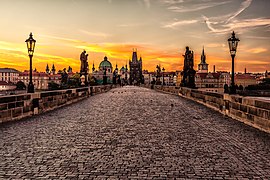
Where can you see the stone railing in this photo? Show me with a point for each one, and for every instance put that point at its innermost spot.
(250, 110)
(15, 107)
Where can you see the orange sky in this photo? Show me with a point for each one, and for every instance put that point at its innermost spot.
(159, 30)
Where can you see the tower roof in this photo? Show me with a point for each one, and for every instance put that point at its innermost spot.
(134, 56)
(203, 57)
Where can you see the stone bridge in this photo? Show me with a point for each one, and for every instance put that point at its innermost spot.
(133, 133)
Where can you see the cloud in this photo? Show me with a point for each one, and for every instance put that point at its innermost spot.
(215, 45)
(96, 34)
(257, 50)
(180, 23)
(194, 6)
(62, 38)
(237, 25)
(171, 2)
(244, 5)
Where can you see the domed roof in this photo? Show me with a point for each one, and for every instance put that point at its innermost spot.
(123, 68)
(105, 63)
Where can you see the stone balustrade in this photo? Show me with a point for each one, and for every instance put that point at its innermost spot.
(14, 107)
(253, 111)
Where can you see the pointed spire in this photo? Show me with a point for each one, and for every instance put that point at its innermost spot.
(203, 57)
(53, 69)
(47, 69)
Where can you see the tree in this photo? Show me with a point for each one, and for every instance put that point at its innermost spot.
(20, 85)
(74, 81)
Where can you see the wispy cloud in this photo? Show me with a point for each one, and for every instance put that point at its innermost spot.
(243, 6)
(257, 50)
(96, 34)
(215, 45)
(180, 23)
(61, 38)
(171, 2)
(237, 25)
(194, 6)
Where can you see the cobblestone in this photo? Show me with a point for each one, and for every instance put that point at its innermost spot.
(133, 133)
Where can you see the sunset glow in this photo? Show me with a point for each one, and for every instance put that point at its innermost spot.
(158, 29)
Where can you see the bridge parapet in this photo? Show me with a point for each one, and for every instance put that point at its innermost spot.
(253, 111)
(15, 107)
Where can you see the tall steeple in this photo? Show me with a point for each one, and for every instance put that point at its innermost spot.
(203, 58)
(47, 69)
(203, 66)
(53, 69)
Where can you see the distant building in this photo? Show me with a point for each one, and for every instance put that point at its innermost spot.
(40, 79)
(178, 77)
(207, 81)
(135, 67)
(6, 86)
(169, 78)
(212, 82)
(9, 75)
(245, 79)
(124, 74)
(104, 65)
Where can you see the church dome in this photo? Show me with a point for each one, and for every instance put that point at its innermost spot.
(123, 69)
(105, 63)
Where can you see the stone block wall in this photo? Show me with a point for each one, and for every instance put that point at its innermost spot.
(250, 110)
(15, 107)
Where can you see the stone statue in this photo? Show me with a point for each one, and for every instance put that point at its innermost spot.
(84, 63)
(188, 73)
(64, 77)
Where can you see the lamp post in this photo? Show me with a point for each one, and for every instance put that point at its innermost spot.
(233, 42)
(30, 42)
(163, 71)
(104, 76)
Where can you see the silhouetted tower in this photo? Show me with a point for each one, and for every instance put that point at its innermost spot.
(47, 69)
(53, 69)
(188, 73)
(135, 67)
(245, 70)
(203, 66)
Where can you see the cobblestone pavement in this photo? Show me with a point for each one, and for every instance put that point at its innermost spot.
(133, 133)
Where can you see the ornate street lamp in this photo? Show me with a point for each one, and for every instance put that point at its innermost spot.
(233, 42)
(163, 71)
(30, 42)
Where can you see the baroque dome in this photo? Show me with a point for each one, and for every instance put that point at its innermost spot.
(105, 63)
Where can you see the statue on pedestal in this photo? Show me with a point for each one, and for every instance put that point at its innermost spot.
(188, 72)
(84, 63)
(84, 67)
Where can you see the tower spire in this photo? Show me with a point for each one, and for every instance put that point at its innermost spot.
(47, 69)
